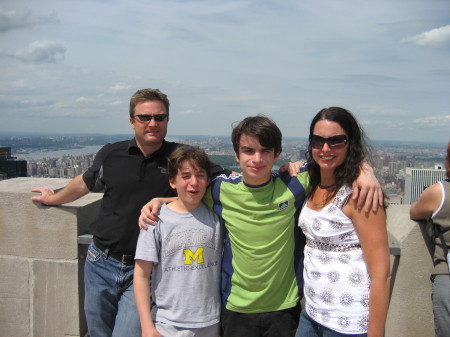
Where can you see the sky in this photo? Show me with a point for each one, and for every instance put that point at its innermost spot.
(71, 66)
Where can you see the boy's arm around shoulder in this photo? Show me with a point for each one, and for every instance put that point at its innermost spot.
(150, 210)
(367, 190)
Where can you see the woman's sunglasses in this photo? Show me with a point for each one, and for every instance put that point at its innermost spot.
(335, 142)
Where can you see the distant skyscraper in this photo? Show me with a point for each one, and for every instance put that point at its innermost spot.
(9, 166)
(302, 154)
(419, 179)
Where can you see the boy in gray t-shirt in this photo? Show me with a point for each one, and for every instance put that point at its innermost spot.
(182, 254)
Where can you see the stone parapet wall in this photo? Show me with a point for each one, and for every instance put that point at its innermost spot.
(41, 287)
(40, 260)
(410, 311)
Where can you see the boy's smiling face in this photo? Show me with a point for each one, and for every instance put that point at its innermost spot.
(191, 183)
(255, 160)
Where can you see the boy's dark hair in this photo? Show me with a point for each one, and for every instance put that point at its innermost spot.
(194, 155)
(145, 95)
(261, 127)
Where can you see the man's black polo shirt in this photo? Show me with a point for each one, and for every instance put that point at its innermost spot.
(129, 180)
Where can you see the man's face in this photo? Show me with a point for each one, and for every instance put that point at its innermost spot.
(256, 161)
(151, 133)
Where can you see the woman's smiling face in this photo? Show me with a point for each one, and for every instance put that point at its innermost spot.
(326, 157)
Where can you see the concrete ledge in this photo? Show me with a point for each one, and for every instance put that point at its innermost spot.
(55, 307)
(15, 299)
(41, 260)
(33, 230)
(410, 310)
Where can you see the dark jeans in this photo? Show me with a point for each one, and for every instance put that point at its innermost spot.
(282, 323)
(310, 328)
(109, 298)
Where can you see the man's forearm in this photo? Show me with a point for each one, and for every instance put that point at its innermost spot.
(73, 191)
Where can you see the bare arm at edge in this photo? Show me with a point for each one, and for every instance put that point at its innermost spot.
(74, 190)
(428, 203)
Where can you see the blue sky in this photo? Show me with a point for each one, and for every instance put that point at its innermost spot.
(71, 66)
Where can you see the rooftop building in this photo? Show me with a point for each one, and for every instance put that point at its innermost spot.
(419, 179)
(10, 167)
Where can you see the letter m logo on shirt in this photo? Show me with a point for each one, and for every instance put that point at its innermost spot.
(189, 257)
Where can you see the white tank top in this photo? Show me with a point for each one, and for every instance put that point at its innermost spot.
(335, 275)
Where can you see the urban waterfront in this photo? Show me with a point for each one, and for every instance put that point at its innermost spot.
(68, 156)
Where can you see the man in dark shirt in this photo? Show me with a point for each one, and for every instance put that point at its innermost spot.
(130, 173)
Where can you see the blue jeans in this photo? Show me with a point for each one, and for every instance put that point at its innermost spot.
(109, 302)
(440, 296)
(310, 328)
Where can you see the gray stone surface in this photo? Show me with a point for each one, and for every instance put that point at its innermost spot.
(54, 229)
(15, 313)
(410, 310)
(39, 258)
(55, 305)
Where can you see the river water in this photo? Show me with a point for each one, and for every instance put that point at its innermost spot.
(59, 153)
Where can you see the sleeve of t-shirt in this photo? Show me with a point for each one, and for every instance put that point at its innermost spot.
(147, 245)
(93, 177)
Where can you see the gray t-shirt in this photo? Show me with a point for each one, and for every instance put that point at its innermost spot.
(187, 251)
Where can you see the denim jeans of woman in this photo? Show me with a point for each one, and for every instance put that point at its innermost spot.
(310, 328)
(109, 303)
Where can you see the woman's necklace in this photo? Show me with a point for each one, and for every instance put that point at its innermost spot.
(326, 187)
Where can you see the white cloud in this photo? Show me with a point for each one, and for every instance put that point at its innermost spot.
(11, 19)
(438, 37)
(434, 121)
(83, 99)
(120, 87)
(41, 52)
(186, 112)
(379, 110)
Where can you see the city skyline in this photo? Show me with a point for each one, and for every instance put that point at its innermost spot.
(71, 66)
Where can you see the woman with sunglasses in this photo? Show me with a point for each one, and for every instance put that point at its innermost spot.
(346, 266)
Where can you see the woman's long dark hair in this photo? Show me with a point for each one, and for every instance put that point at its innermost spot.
(349, 170)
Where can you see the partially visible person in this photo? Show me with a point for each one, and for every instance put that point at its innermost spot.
(346, 266)
(262, 264)
(182, 255)
(130, 173)
(434, 204)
